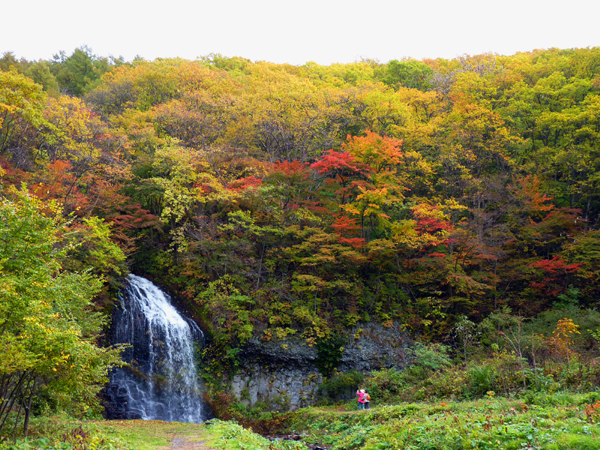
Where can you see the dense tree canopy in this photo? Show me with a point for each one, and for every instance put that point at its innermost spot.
(279, 199)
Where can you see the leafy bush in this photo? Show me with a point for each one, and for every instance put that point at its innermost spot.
(258, 418)
(329, 354)
(232, 436)
(482, 378)
(545, 323)
(386, 383)
(341, 386)
(431, 356)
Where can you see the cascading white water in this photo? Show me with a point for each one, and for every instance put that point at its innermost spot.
(161, 382)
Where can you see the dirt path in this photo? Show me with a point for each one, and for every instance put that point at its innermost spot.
(159, 435)
(187, 443)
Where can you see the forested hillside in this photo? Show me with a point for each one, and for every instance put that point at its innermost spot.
(281, 200)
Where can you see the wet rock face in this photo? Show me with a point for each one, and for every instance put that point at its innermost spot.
(374, 347)
(283, 374)
(280, 374)
(280, 388)
(116, 403)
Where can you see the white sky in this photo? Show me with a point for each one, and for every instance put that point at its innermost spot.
(280, 31)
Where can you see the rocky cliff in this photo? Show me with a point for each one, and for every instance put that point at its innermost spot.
(284, 374)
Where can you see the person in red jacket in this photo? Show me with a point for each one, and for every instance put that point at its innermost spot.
(361, 398)
(367, 398)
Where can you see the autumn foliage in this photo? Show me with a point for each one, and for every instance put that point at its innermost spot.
(311, 199)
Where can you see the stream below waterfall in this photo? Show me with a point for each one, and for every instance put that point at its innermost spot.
(160, 380)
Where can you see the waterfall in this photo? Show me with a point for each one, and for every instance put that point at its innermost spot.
(161, 381)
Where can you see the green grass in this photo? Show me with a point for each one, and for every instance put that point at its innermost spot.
(552, 422)
(561, 420)
(153, 434)
(64, 433)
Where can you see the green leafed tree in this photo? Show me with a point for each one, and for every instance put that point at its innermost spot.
(40, 73)
(48, 330)
(410, 74)
(79, 72)
(21, 107)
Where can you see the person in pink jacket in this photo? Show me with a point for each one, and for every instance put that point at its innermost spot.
(361, 398)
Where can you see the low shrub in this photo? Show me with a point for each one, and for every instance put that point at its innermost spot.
(232, 436)
(341, 386)
(258, 418)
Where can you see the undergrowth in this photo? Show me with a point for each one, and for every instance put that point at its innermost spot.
(61, 432)
(232, 436)
(558, 421)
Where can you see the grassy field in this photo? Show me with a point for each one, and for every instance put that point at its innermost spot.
(63, 433)
(559, 421)
(155, 434)
(537, 421)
